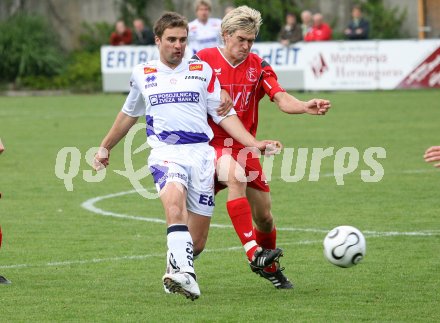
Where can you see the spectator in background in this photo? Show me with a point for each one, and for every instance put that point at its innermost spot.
(141, 34)
(228, 9)
(121, 36)
(291, 32)
(204, 31)
(359, 27)
(307, 24)
(432, 154)
(320, 30)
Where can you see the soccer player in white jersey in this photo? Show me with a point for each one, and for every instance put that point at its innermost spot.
(176, 96)
(204, 32)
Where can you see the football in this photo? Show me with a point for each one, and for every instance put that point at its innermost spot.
(345, 246)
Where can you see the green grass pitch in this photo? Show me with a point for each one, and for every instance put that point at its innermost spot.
(67, 263)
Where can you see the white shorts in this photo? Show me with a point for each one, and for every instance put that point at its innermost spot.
(192, 165)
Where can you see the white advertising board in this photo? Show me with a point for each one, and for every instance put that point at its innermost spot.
(333, 65)
(366, 65)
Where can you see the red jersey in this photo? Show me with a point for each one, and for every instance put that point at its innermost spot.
(246, 83)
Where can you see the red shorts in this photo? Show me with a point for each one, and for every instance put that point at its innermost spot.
(252, 167)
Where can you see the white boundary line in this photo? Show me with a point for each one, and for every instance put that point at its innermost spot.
(89, 205)
(133, 257)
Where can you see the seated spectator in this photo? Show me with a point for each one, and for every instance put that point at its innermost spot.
(291, 32)
(121, 35)
(359, 27)
(307, 24)
(320, 30)
(141, 34)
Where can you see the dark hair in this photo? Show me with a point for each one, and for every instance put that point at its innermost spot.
(169, 20)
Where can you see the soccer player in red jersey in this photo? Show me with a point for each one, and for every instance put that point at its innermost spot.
(247, 78)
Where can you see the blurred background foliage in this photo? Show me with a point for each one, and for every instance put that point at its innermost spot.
(28, 47)
(385, 21)
(31, 56)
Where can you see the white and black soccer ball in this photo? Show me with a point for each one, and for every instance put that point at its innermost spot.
(345, 246)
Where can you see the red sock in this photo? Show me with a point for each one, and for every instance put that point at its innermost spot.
(241, 216)
(268, 241)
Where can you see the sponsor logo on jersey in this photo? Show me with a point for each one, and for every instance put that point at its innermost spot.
(196, 67)
(206, 200)
(195, 77)
(218, 71)
(173, 81)
(150, 81)
(151, 78)
(171, 176)
(251, 74)
(149, 70)
(174, 97)
(241, 95)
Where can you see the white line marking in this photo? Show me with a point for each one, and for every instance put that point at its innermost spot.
(134, 257)
(90, 206)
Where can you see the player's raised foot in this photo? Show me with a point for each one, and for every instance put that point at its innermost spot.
(264, 257)
(277, 278)
(181, 283)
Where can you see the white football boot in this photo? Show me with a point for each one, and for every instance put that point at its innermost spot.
(181, 283)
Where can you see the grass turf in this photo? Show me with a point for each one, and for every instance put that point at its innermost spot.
(68, 264)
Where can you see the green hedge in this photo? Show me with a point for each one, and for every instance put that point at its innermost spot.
(31, 57)
(28, 47)
(82, 73)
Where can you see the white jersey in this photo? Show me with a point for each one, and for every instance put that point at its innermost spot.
(202, 36)
(176, 102)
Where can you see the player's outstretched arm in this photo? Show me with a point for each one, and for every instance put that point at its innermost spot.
(121, 126)
(432, 154)
(289, 104)
(2, 148)
(235, 128)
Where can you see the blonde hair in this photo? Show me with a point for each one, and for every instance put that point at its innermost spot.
(242, 18)
(199, 3)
